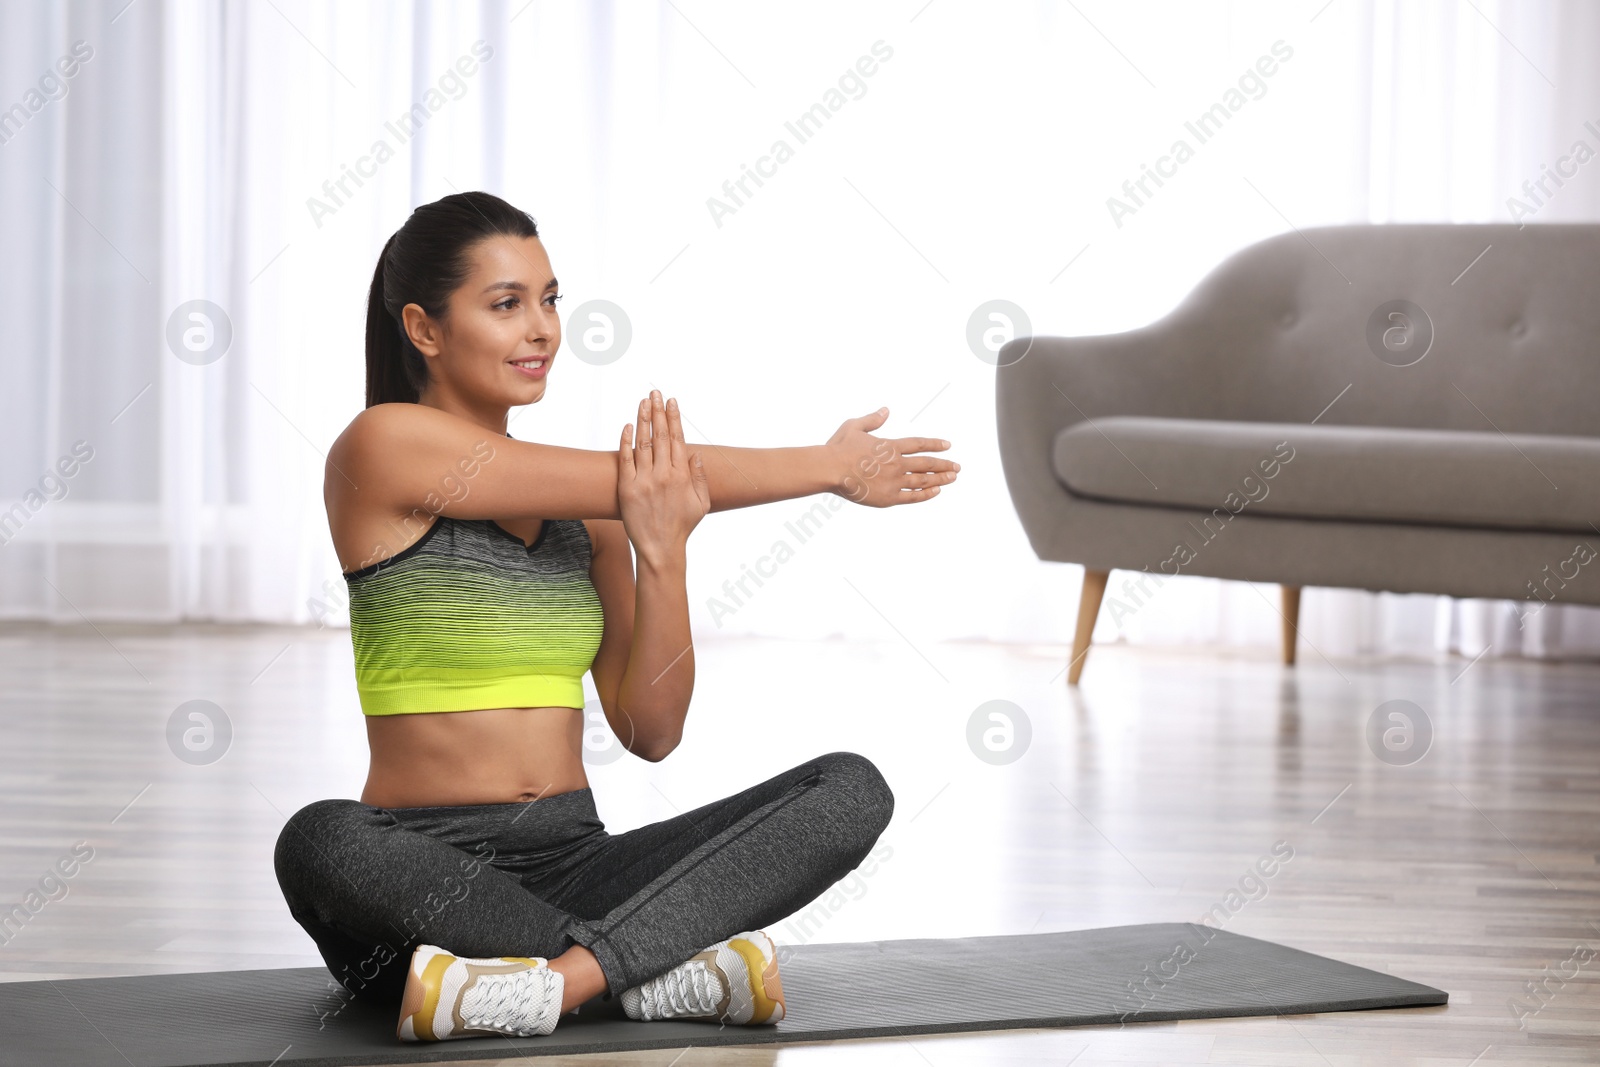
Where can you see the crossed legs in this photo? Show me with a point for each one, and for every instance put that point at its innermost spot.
(545, 879)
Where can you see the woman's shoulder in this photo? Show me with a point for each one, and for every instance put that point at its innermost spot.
(412, 434)
(387, 424)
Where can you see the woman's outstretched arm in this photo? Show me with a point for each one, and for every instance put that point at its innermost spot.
(876, 471)
(400, 459)
(741, 477)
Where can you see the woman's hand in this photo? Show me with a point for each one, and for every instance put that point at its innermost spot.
(662, 491)
(881, 472)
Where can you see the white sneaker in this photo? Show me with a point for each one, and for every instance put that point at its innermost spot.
(734, 981)
(449, 996)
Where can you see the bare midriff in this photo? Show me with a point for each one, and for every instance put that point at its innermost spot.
(491, 756)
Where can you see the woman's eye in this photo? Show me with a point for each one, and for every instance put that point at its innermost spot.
(553, 299)
(507, 304)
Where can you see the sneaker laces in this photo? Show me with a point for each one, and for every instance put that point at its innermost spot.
(519, 1002)
(688, 989)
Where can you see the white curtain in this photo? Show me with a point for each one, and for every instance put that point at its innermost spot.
(255, 156)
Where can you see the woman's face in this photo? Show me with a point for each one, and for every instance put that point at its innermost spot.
(495, 346)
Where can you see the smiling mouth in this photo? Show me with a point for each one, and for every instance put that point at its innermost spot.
(538, 363)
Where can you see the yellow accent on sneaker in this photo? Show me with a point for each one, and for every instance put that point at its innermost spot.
(765, 987)
(421, 1000)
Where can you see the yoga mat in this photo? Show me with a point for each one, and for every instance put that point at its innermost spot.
(298, 1017)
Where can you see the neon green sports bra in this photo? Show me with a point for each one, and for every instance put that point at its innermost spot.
(470, 617)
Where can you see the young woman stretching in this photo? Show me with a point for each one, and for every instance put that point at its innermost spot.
(473, 884)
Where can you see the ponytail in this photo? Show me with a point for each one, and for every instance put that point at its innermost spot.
(425, 261)
(388, 380)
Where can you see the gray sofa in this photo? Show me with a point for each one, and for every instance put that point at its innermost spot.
(1412, 408)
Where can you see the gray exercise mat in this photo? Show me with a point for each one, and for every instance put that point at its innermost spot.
(298, 1016)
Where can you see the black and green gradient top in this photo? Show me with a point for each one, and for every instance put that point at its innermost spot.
(470, 617)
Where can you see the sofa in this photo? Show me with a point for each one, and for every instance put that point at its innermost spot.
(1408, 408)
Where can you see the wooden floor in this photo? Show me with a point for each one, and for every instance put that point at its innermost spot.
(1144, 797)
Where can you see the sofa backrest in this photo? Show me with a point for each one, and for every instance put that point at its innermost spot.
(1280, 327)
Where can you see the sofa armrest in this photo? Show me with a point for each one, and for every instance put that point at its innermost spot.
(1060, 381)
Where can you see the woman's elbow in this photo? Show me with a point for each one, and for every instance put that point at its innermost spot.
(658, 750)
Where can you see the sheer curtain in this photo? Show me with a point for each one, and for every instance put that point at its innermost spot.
(798, 209)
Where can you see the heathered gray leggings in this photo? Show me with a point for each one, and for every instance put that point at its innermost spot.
(534, 878)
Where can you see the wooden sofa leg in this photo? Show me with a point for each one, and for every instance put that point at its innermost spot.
(1291, 622)
(1094, 590)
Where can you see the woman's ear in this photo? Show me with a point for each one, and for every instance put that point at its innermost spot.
(422, 330)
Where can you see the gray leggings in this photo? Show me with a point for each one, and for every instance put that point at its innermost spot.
(535, 878)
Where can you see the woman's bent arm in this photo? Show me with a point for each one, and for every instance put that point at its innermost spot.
(659, 680)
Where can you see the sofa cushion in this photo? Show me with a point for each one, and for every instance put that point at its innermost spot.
(1299, 470)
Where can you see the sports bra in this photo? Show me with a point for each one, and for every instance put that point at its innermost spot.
(469, 616)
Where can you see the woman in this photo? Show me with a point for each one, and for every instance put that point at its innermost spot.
(473, 883)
